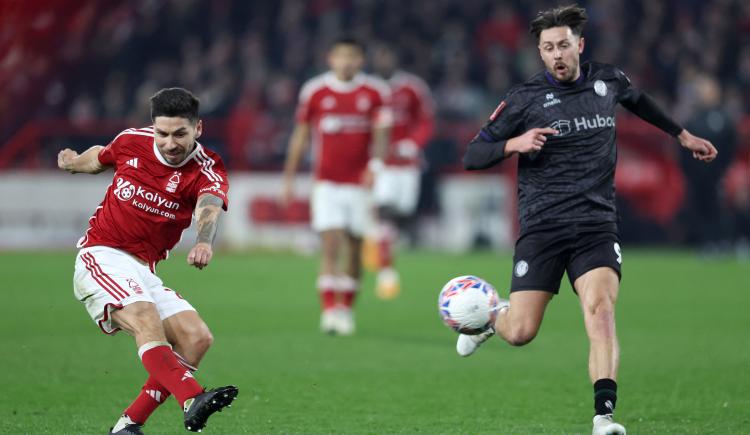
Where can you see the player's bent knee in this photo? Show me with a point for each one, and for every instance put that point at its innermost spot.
(521, 336)
(199, 339)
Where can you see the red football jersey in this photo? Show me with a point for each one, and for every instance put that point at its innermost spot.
(413, 116)
(151, 202)
(341, 116)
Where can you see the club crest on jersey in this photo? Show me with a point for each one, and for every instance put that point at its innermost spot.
(600, 88)
(363, 103)
(174, 181)
(497, 111)
(328, 102)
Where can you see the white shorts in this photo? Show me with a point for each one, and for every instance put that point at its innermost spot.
(397, 187)
(338, 206)
(108, 279)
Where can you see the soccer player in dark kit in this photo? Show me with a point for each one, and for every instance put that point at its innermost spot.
(561, 123)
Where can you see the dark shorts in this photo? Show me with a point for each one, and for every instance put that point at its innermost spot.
(543, 254)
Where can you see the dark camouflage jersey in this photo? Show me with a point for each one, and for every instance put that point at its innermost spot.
(571, 179)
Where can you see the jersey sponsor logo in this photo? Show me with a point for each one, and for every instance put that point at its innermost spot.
(562, 126)
(133, 162)
(598, 121)
(600, 88)
(331, 124)
(126, 191)
(581, 123)
(551, 100)
(521, 268)
(174, 181)
(497, 111)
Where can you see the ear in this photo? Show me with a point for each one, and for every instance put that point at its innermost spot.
(581, 43)
(198, 128)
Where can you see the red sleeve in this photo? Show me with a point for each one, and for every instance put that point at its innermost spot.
(304, 113)
(213, 179)
(108, 156)
(424, 116)
(381, 113)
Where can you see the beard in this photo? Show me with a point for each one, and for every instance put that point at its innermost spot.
(564, 72)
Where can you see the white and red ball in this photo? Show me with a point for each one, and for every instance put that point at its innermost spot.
(468, 304)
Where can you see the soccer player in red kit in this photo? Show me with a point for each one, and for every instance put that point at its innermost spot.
(161, 176)
(396, 189)
(345, 113)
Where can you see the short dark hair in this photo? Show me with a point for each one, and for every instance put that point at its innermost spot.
(175, 102)
(347, 40)
(572, 16)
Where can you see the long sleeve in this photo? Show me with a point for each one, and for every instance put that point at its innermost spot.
(488, 147)
(483, 152)
(642, 105)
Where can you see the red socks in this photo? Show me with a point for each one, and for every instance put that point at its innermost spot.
(162, 365)
(348, 287)
(327, 291)
(151, 396)
(387, 235)
(335, 290)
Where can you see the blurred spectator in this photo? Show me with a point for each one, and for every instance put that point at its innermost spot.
(707, 220)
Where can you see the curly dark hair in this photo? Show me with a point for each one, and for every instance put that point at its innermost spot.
(572, 16)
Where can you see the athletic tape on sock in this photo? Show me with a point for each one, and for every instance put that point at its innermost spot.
(347, 284)
(184, 362)
(150, 345)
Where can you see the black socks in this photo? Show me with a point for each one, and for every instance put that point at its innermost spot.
(605, 396)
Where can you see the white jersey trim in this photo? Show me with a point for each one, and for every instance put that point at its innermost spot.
(198, 148)
(206, 164)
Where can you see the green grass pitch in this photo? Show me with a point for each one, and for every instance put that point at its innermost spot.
(683, 326)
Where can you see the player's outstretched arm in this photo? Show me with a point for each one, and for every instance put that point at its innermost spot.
(297, 145)
(641, 104)
(702, 149)
(87, 162)
(483, 153)
(207, 213)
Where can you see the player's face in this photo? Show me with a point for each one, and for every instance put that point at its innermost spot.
(345, 60)
(175, 137)
(384, 61)
(561, 51)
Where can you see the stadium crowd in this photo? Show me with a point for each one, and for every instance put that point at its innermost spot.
(93, 61)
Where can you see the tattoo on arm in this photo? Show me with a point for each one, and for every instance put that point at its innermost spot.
(208, 210)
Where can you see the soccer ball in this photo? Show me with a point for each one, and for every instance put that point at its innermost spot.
(468, 304)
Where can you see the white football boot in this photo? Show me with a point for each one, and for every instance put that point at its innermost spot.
(329, 321)
(344, 321)
(603, 425)
(468, 344)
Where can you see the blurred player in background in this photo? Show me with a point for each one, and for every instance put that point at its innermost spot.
(344, 113)
(396, 189)
(162, 175)
(561, 123)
